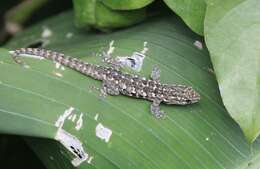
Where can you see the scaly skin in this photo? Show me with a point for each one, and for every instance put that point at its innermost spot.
(115, 82)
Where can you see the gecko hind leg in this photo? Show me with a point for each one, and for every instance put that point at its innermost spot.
(155, 110)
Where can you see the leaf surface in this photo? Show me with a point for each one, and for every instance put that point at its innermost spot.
(197, 136)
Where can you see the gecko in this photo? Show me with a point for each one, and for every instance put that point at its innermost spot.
(116, 82)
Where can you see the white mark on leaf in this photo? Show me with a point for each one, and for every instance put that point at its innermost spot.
(58, 74)
(135, 61)
(90, 159)
(69, 141)
(46, 33)
(103, 132)
(111, 48)
(69, 35)
(62, 118)
(198, 44)
(96, 117)
(79, 122)
(73, 144)
(74, 117)
(145, 49)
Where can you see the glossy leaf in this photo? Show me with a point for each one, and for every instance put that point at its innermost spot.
(97, 15)
(231, 32)
(191, 137)
(126, 4)
(192, 12)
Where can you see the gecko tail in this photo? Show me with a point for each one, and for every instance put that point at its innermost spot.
(16, 57)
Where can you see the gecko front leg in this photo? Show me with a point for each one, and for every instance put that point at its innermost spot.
(155, 109)
(155, 75)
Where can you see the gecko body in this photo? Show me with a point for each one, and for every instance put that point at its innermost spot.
(115, 82)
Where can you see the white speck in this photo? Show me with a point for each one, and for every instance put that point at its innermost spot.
(79, 122)
(90, 159)
(96, 116)
(111, 47)
(74, 117)
(62, 68)
(62, 118)
(207, 139)
(198, 44)
(58, 74)
(51, 157)
(46, 33)
(57, 65)
(73, 144)
(69, 35)
(103, 132)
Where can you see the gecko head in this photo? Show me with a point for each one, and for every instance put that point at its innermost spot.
(181, 95)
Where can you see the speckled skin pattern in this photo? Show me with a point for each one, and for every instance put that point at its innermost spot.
(115, 82)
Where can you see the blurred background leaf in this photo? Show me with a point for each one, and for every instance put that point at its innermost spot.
(97, 15)
(126, 4)
(192, 12)
(231, 32)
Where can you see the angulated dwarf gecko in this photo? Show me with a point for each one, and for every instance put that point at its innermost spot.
(115, 82)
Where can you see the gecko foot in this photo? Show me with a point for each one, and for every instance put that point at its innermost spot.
(155, 75)
(155, 110)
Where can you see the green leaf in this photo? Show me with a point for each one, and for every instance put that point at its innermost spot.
(197, 136)
(192, 12)
(97, 15)
(126, 4)
(231, 31)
